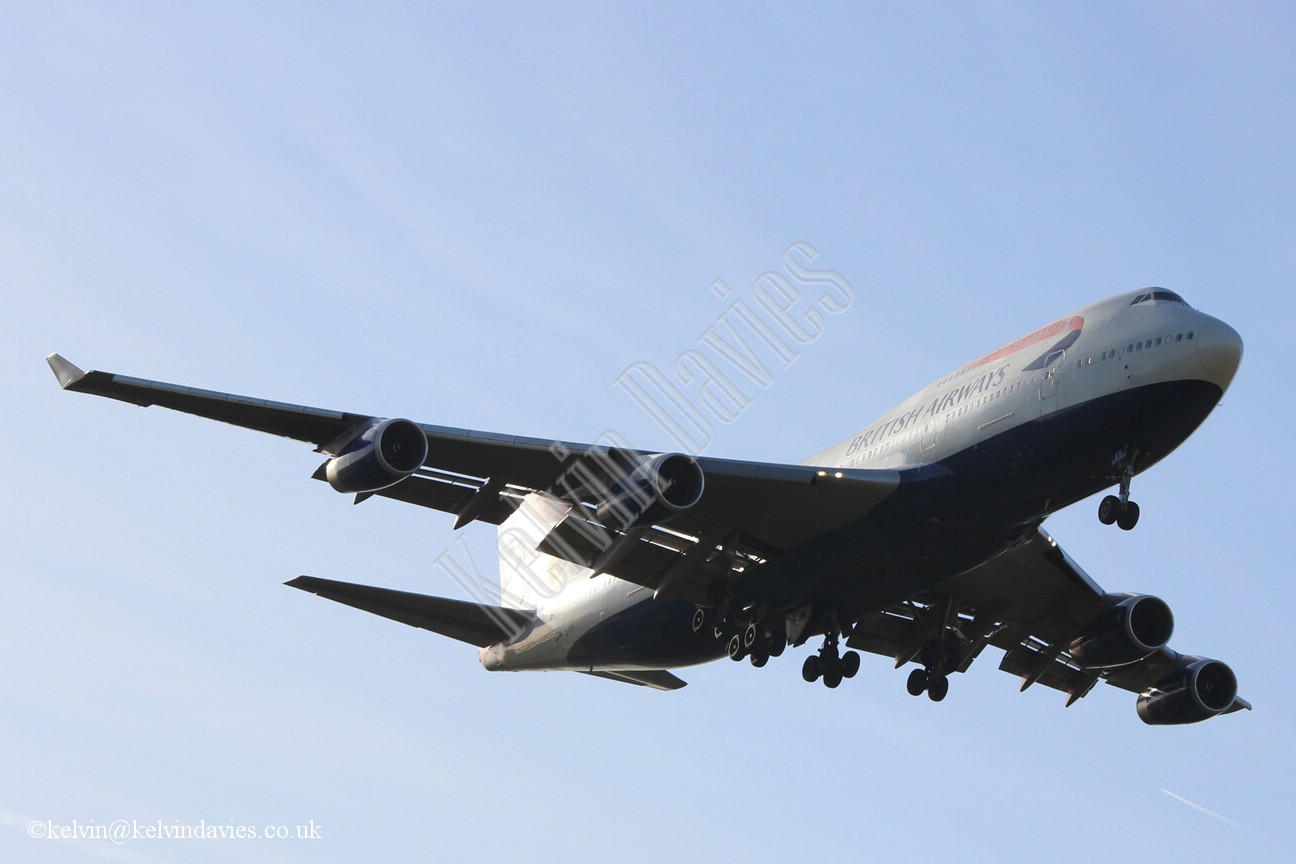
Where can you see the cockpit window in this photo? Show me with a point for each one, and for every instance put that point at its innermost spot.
(1157, 294)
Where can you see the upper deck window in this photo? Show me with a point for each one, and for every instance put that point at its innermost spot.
(1157, 294)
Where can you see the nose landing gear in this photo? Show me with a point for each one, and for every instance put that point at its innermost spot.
(1119, 509)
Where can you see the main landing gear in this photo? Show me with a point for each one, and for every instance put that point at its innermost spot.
(750, 635)
(751, 642)
(829, 665)
(1119, 508)
(939, 659)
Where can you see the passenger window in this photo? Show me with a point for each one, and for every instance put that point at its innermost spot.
(1158, 340)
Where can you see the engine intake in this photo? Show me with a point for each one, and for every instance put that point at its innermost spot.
(1195, 692)
(653, 491)
(1134, 626)
(384, 454)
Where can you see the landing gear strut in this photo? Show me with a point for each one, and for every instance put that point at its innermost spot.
(1119, 508)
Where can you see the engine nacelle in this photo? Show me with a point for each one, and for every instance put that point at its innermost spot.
(1196, 692)
(653, 491)
(1134, 626)
(384, 454)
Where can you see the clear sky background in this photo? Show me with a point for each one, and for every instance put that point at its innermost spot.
(482, 215)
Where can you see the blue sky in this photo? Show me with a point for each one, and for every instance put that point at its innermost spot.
(482, 215)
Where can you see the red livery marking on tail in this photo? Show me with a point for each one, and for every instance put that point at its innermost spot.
(1075, 322)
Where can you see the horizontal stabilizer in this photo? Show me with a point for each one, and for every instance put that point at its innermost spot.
(657, 679)
(67, 373)
(474, 623)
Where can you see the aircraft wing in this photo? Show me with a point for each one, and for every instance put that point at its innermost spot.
(1031, 602)
(749, 512)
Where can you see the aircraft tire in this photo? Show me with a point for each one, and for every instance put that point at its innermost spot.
(937, 688)
(1129, 516)
(736, 650)
(810, 670)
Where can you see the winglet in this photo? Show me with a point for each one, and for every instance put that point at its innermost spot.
(67, 373)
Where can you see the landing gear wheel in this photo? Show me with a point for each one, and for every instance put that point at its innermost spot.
(850, 664)
(775, 644)
(917, 682)
(937, 688)
(832, 676)
(701, 619)
(759, 660)
(1108, 509)
(1128, 517)
(810, 670)
(736, 650)
(750, 636)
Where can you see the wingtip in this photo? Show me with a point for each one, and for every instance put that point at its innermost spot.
(66, 372)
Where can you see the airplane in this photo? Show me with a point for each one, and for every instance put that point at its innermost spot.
(919, 538)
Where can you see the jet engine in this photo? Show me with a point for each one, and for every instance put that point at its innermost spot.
(1134, 626)
(385, 453)
(652, 491)
(1197, 691)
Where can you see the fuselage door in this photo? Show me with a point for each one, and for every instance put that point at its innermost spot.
(929, 434)
(1049, 383)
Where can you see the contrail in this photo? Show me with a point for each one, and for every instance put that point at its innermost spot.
(1196, 806)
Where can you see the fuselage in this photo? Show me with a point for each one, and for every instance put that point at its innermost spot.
(1108, 348)
(1004, 441)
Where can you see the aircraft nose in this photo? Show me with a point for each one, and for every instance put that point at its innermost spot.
(1220, 348)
